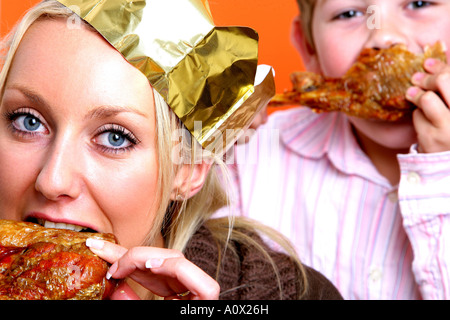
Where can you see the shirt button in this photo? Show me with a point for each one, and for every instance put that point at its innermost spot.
(375, 274)
(393, 196)
(413, 178)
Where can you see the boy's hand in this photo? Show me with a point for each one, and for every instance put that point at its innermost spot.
(431, 95)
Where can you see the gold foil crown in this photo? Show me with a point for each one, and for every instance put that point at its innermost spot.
(208, 75)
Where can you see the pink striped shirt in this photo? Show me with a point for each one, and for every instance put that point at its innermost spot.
(305, 175)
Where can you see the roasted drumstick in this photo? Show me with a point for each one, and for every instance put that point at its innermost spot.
(373, 88)
(38, 263)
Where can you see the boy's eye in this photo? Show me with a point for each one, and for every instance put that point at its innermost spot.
(349, 14)
(418, 4)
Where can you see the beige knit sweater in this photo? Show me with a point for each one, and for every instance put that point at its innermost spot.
(248, 276)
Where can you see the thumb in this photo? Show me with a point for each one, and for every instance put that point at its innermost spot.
(124, 292)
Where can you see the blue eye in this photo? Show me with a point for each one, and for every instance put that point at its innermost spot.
(115, 138)
(27, 123)
(112, 140)
(31, 123)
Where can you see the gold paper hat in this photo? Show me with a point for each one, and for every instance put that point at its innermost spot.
(208, 75)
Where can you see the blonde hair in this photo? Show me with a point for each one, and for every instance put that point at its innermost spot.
(306, 14)
(176, 220)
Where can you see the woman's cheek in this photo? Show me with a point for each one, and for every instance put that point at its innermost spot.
(132, 202)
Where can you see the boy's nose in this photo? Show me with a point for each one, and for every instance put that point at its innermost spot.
(387, 34)
(59, 176)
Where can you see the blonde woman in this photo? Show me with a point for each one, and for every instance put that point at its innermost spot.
(86, 142)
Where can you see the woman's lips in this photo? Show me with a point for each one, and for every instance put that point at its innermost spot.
(49, 222)
(60, 225)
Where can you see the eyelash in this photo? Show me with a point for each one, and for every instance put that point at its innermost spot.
(423, 4)
(11, 116)
(349, 14)
(117, 129)
(344, 15)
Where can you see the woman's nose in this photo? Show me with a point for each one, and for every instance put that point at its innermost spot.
(59, 175)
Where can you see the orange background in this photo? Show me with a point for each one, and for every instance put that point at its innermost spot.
(270, 18)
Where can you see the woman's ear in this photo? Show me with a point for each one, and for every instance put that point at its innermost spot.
(189, 180)
(300, 42)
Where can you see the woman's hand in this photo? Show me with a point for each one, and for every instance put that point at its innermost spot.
(166, 273)
(431, 95)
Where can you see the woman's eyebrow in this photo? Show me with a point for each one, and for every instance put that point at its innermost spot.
(30, 94)
(100, 112)
(103, 112)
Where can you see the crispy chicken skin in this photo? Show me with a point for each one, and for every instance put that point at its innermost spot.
(38, 263)
(373, 88)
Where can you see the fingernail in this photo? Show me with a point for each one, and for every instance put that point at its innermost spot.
(430, 62)
(418, 77)
(95, 243)
(412, 92)
(111, 271)
(154, 263)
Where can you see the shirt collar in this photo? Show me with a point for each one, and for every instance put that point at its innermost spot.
(330, 135)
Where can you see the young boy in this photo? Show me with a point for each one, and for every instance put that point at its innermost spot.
(365, 202)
